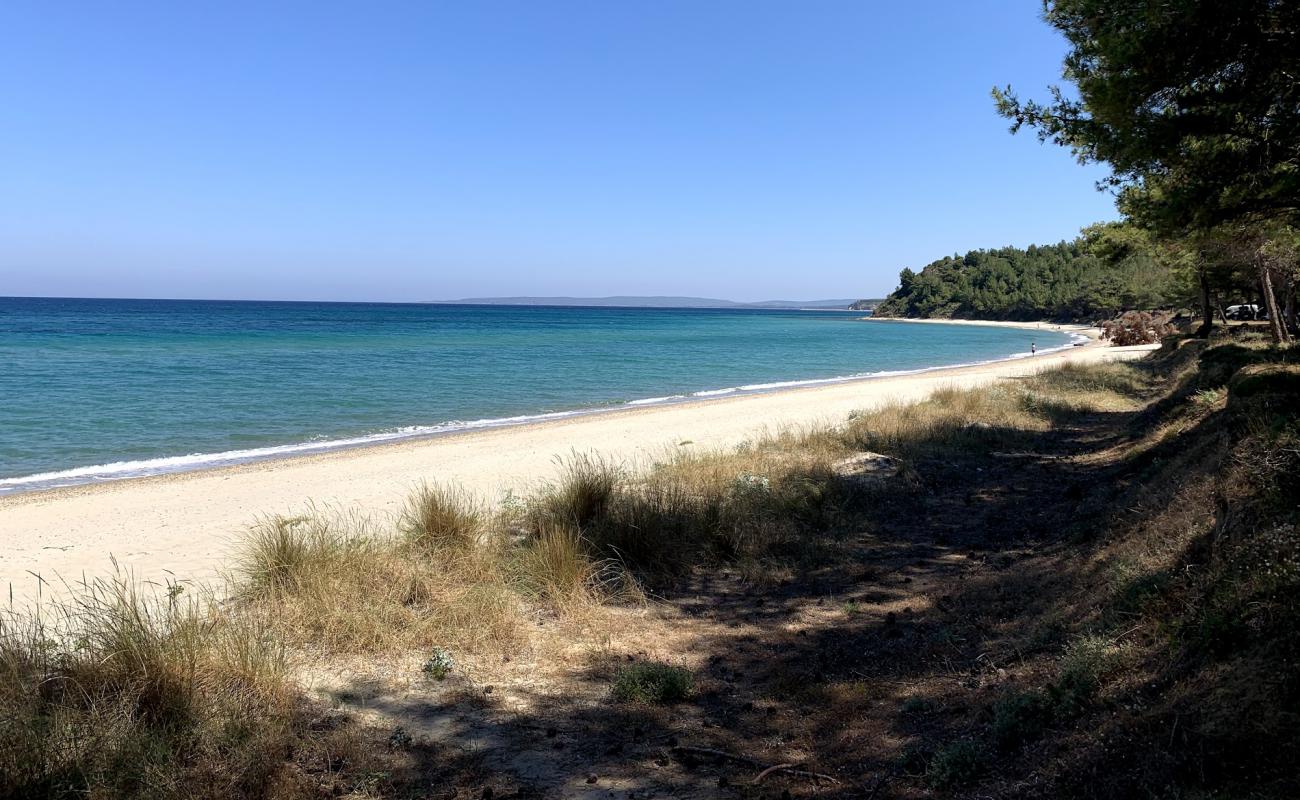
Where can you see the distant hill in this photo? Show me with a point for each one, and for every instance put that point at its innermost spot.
(648, 302)
(799, 304)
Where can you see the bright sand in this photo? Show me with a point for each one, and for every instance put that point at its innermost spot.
(184, 526)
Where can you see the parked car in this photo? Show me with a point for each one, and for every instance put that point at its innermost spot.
(1244, 311)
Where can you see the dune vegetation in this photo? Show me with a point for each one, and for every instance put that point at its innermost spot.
(1082, 583)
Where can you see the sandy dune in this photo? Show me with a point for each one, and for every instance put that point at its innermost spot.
(183, 526)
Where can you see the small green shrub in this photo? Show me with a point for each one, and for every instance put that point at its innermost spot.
(1136, 590)
(1083, 665)
(1220, 630)
(651, 682)
(1207, 398)
(440, 664)
(958, 763)
(1020, 717)
(913, 760)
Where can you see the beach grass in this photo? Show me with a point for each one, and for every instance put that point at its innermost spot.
(333, 581)
(454, 574)
(580, 496)
(121, 693)
(554, 567)
(440, 517)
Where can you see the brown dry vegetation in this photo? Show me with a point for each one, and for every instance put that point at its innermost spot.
(1083, 584)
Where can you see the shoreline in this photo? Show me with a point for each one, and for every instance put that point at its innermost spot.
(1091, 331)
(162, 466)
(182, 525)
(328, 450)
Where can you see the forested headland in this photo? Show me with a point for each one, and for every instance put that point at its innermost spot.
(1109, 269)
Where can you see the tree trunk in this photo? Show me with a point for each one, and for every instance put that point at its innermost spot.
(1275, 324)
(1207, 308)
(1289, 310)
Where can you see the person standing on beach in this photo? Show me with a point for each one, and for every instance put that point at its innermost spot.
(1033, 348)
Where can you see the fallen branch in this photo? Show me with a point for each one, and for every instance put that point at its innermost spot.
(788, 769)
(776, 768)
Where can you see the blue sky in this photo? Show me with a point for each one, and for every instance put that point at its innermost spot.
(432, 150)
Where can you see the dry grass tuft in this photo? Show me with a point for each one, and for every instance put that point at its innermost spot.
(1084, 388)
(555, 568)
(281, 551)
(582, 494)
(1002, 416)
(1120, 378)
(700, 508)
(333, 584)
(119, 694)
(972, 420)
(440, 517)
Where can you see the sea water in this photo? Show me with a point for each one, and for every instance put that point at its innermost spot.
(94, 390)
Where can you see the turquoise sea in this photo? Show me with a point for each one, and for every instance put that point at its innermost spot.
(94, 390)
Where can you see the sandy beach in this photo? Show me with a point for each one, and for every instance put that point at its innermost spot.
(183, 526)
(1062, 327)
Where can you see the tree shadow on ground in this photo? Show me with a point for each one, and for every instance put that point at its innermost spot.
(959, 586)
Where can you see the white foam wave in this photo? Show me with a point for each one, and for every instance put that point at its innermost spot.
(652, 401)
(118, 470)
(715, 392)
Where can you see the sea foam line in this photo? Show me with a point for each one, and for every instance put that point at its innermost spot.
(120, 470)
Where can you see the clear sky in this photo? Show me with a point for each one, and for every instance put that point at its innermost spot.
(433, 150)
